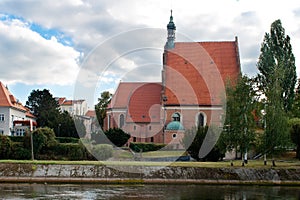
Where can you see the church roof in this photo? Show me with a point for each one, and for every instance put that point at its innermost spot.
(144, 104)
(196, 72)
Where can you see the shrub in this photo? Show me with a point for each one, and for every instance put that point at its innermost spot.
(145, 147)
(67, 140)
(16, 138)
(68, 151)
(19, 152)
(5, 147)
(102, 151)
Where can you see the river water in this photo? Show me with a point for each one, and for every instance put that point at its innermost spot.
(157, 192)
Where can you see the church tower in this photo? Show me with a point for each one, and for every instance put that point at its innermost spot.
(171, 34)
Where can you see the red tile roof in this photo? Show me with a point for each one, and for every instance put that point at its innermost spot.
(120, 99)
(144, 104)
(8, 100)
(90, 113)
(196, 73)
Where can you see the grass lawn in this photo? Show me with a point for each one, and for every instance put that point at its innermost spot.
(221, 164)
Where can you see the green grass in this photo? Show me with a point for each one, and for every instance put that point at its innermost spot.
(223, 164)
(152, 154)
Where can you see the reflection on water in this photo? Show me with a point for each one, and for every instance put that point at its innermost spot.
(39, 191)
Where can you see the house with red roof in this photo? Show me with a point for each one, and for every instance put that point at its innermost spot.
(191, 93)
(74, 107)
(15, 119)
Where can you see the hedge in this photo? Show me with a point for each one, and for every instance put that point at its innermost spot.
(67, 140)
(145, 147)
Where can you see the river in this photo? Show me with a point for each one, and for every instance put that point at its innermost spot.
(145, 192)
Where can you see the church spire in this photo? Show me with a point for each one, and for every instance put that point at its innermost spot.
(171, 33)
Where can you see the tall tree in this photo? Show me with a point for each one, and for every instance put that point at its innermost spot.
(44, 106)
(276, 53)
(239, 123)
(277, 82)
(101, 106)
(276, 133)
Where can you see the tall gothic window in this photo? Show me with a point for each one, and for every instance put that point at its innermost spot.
(121, 121)
(200, 120)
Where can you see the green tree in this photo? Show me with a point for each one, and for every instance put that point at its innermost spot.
(65, 126)
(193, 142)
(296, 106)
(44, 106)
(276, 54)
(5, 147)
(276, 135)
(238, 131)
(294, 124)
(101, 106)
(113, 135)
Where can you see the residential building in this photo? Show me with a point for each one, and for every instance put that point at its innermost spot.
(15, 119)
(74, 107)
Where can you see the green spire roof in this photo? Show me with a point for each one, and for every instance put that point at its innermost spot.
(171, 24)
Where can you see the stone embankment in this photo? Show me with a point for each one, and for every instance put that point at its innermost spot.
(64, 173)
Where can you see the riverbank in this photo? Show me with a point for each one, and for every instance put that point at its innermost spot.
(131, 174)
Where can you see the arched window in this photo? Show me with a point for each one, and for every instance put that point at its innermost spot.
(201, 120)
(176, 117)
(121, 121)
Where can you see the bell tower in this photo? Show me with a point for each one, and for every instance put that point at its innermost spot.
(171, 34)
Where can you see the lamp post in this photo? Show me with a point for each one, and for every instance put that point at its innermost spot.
(165, 99)
(31, 140)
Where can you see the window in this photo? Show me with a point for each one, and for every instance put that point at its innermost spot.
(150, 128)
(176, 117)
(20, 132)
(121, 121)
(174, 135)
(134, 139)
(152, 139)
(201, 120)
(134, 127)
(1, 132)
(2, 117)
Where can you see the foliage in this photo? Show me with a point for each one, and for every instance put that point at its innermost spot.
(296, 106)
(113, 135)
(102, 151)
(81, 130)
(5, 147)
(66, 126)
(294, 124)
(117, 136)
(100, 107)
(276, 55)
(197, 135)
(238, 130)
(145, 147)
(19, 152)
(44, 106)
(67, 140)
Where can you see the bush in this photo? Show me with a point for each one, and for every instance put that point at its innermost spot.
(67, 140)
(19, 152)
(193, 140)
(66, 151)
(145, 147)
(102, 151)
(16, 138)
(5, 147)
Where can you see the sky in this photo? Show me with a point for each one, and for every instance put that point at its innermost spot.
(79, 48)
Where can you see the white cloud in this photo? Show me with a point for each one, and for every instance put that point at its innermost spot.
(29, 58)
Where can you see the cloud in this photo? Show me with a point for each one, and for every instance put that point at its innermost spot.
(27, 57)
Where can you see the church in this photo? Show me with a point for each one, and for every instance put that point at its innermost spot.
(190, 94)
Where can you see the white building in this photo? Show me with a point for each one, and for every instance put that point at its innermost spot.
(15, 119)
(74, 107)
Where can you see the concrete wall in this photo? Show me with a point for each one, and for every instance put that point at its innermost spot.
(145, 174)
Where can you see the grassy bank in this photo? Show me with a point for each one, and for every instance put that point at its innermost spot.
(221, 164)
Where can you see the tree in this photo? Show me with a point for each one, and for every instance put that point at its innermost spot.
(101, 106)
(276, 135)
(238, 131)
(193, 141)
(65, 126)
(276, 54)
(296, 106)
(295, 134)
(113, 135)
(42, 104)
(277, 79)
